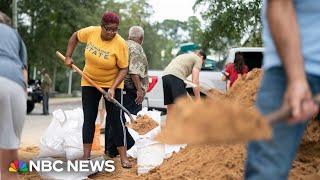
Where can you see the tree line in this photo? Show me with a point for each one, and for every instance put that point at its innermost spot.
(46, 26)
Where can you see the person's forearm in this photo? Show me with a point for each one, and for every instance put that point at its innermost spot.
(120, 76)
(195, 80)
(285, 32)
(136, 81)
(25, 76)
(73, 41)
(196, 92)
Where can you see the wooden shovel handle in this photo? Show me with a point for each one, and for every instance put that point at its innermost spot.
(61, 56)
(285, 112)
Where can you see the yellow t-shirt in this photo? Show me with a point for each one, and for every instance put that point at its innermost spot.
(103, 59)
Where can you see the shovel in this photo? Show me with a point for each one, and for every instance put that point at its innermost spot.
(104, 93)
(203, 88)
(216, 121)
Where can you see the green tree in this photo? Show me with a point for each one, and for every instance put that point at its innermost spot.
(46, 25)
(5, 7)
(229, 21)
(51, 23)
(138, 12)
(194, 29)
(170, 28)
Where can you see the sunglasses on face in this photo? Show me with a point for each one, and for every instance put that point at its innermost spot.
(109, 29)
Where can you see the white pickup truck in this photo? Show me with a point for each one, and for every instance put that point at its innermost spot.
(209, 75)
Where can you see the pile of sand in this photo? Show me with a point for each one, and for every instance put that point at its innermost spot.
(222, 118)
(243, 91)
(312, 133)
(143, 124)
(213, 161)
(212, 121)
(205, 162)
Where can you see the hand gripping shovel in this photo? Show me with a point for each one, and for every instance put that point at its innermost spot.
(104, 93)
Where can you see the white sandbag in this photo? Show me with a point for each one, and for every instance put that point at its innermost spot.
(127, 118)
(170, 149)
(73, 145)
(133, 151)
(63, 137)
(152, 133)
(51, 143)
(150, 154)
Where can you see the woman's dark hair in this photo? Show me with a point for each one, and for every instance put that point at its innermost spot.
(110, 17)
(239, 62)
(203, 54)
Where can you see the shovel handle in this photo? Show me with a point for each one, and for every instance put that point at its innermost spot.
(61, 56)
(104, 93)
(203, 89)
(123, 108)
(285, 112)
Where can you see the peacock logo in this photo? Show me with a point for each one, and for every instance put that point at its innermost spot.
(18, 166)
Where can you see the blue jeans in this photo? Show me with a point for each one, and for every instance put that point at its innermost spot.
(45, 103)
(272, 159)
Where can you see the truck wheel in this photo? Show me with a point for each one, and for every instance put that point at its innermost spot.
(30, 106)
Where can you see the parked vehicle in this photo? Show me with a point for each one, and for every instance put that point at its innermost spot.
(210, 76)
(34, 94)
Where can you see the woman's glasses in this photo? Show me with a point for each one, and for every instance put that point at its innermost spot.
(110, 29)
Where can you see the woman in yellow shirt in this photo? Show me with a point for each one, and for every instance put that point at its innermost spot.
(106, 63)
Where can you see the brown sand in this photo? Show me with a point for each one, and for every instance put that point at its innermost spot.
(212, 162)
(213, 121)
(205, 162)
(243, 91)
(312, 133)
(143, 124)
(245, 88)
(223, 118)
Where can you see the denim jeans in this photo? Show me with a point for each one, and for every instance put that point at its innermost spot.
(45, 103)
(272, 159)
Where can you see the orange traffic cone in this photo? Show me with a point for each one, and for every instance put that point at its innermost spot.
(96, 139)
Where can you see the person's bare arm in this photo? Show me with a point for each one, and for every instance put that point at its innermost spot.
(195, 80)
(73, 41)
(25, 76)
(285, 32)
(137, 83)
(120, 76)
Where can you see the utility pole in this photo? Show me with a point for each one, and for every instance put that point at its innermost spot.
(70, 82)
(14, 14)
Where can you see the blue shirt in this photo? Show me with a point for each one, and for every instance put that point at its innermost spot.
(13, 56)
(308, 16)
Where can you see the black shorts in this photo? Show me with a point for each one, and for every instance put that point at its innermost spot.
(173, 88)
